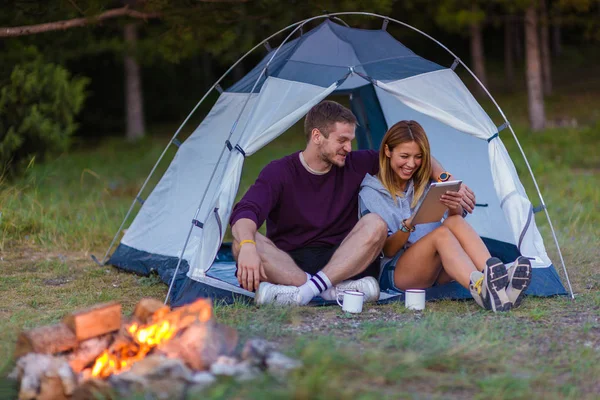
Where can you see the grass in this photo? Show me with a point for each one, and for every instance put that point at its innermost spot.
(63, 210)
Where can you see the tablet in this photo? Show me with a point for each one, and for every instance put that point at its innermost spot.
(431, 208)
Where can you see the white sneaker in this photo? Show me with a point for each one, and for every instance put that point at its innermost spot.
(368, 285)
(281, 295)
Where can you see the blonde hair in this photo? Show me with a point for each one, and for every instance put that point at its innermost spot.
(405, 132)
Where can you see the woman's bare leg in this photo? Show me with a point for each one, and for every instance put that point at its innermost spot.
(421, 265)
(469, 240)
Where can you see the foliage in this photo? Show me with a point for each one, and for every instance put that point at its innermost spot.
(37, 111)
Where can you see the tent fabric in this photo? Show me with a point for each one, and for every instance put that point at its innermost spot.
(386, 83)
(325, 54)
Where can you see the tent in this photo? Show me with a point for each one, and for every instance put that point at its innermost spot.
(179, 229)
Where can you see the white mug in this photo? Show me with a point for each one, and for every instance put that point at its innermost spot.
(414, 299)
(352, 301)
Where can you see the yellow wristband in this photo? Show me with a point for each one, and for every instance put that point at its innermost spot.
(243, 242)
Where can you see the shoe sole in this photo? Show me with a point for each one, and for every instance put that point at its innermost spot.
(520, 279)
(496, 278)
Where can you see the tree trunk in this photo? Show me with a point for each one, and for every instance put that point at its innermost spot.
(509, 63)
(518, 38)
(207, 69)
(133, 87)
(477, 56)
(535, 95)
(545, 48)
(556, 39)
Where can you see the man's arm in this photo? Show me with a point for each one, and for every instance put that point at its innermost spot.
(247, 216)
(250, 269)
(467, 201)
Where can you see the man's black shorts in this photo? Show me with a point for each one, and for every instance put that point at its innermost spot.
(313, 259)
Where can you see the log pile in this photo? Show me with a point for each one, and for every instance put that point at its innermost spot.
(163, 352)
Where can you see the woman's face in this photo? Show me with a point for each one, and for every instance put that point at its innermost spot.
(405, 159)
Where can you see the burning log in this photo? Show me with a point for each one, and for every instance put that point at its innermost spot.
(140, 339)
(94, 321)
(49, 339)
(87, 352)
(201, 344)
(146, 308)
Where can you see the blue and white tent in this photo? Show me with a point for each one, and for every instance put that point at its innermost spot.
(179, 229)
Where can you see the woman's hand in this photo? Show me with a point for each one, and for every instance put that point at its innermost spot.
(452, 200)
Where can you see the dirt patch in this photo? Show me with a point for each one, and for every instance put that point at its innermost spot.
(57, 281)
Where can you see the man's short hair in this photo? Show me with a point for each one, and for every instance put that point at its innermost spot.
(324, 115)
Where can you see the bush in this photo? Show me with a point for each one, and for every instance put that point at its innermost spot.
(37, 112)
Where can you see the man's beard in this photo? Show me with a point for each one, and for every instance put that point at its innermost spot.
(329, 158)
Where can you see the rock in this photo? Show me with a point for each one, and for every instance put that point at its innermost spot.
(280, 365)
(44, 376)
(201, 381)
(256, 351)
(240, 371)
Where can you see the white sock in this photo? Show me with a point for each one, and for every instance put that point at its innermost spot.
(315, 285)
(308, 276)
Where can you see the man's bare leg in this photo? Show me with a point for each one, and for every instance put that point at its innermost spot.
(278, 266)
(362, 245)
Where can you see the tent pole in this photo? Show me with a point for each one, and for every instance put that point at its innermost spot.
(105, 258)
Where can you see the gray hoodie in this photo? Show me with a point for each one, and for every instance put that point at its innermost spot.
(375, 198)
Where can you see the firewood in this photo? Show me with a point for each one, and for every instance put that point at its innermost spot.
(51, 388)
(146, 308)
(201, 344)
(94, 389)
(88, 351)
(94, 321)
(50, 339)
(198, 311)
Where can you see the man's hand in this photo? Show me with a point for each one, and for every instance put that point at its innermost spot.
(467, 198)
(249, 267)
(452, 200)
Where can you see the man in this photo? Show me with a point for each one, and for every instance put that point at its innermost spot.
(315, 242)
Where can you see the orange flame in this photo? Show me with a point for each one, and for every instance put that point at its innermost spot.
(118, 359)
(122, 354)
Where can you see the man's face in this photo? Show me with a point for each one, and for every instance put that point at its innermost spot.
(336, 147)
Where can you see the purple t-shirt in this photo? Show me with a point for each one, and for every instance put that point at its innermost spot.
(304, 209)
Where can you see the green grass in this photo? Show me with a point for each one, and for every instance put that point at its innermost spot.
(63, 210)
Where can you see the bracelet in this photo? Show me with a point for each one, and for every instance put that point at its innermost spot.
(405, 228)
(243, 242)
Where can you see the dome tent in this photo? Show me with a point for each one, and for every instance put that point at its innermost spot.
(179, 229)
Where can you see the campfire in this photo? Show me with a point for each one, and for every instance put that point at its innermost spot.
(165, 352)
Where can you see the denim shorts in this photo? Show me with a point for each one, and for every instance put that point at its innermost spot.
(386, 278)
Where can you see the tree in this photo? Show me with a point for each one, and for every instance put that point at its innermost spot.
(545, 48)
(537, 116)
(460, 16)
(133, 87)
(509, 64)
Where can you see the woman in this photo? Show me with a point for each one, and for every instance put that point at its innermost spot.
(428, 254)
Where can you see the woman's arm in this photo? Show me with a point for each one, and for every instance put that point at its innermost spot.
(396, 241)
